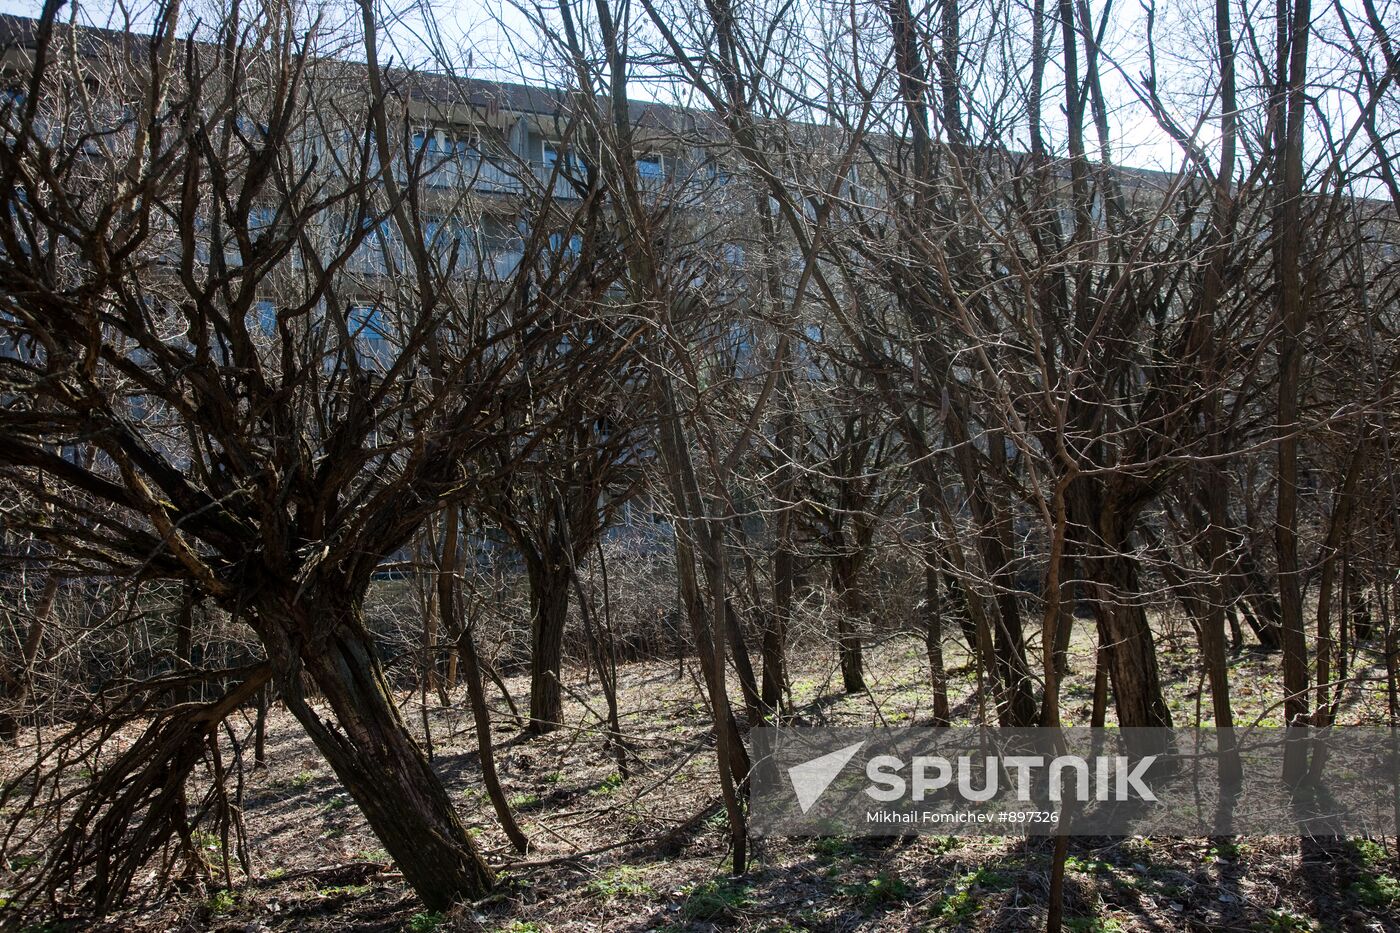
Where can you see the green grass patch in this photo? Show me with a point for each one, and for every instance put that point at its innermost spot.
(1285, 921)
(425, 921)
(884, 889)
(712, 900)
(834, 848)
(1094, 925)
(221, 902)
(1377, 890)
(522, 926)
(622, 882)
(1366, 852)
(608, 785)
(964, 895)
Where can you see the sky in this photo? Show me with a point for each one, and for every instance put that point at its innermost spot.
(493, 39)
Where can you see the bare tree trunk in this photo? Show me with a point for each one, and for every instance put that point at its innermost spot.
(743, 663)
(698, 534)
(845, 580)
(481, 717)
(1019, 707)
(600, 643)
(1337, 529)
(549, 609)
(1127, 652)
(933, 618)
(1293, 314)
(1212, 287)
(1098, 714)
(17, 681)
(1053, 588)
(371, 751)
(774, 645)
(260, 728)
(434, 610)
(452, 611)
(1245, 586)
(1132, 654)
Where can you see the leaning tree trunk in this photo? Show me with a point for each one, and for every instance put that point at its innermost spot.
(367, 744)
(486, 750)
(549, 602)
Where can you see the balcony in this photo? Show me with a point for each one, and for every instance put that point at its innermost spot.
(492, 176)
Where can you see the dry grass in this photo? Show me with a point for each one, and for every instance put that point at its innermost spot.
(596, 863)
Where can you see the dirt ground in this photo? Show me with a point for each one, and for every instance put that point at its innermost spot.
(650, 853)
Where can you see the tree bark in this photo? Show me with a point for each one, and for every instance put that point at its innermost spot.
(549, 604)
(1292, 312)
(933, 617)
(369, 747)
(486, 749)
(845, 580)
(1130, 652)
(17, 682)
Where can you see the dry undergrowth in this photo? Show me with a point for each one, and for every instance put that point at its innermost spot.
(613, 855)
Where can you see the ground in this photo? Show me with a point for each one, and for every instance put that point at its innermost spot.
(650, 853)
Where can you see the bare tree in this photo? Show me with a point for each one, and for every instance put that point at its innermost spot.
(221, 273)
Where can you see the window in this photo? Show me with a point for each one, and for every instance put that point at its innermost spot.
(450, 241)
(554, 153)
(260, 218)
(565, 248)
(366, 321)
(466, 149)
(369, 334)
(381, 250)
(717, 174)
(651, 166)
(504, 247)
(264, 315)
(356, 146)
(250, 129)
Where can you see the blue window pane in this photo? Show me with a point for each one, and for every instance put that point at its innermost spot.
(717, 174)
(265, 314)
(565, 248)
(553, 155)
(250, 129)
(369, 336)
(260, 218)
(367, 323)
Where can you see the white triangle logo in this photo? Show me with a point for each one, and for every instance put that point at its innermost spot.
(811, 778)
